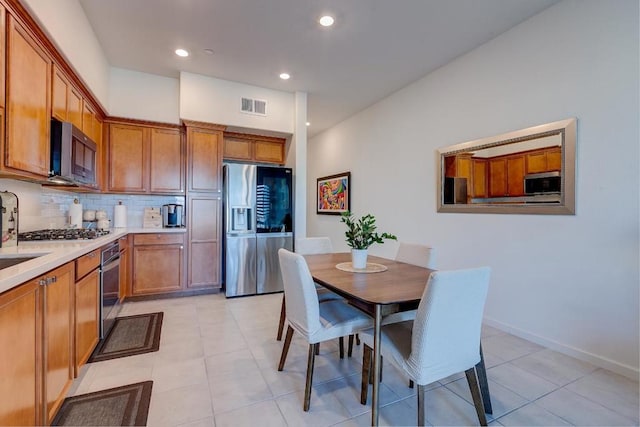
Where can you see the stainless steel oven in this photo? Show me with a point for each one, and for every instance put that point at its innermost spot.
(109, 286)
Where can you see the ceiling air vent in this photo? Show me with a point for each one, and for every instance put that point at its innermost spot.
(254, 106)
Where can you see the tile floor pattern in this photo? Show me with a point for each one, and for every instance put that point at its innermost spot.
(217, 366)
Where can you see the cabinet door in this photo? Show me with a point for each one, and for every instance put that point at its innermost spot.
(74, 104)
(536, 162)
(157, 269)
(167, 161)
(479, 178)
(88, 120)
(20, 352)
(238, 149)
(497, 177)
(515, 175)
(58, 333)
(204, 158)
(204, 242)
(554, 159)
(87, 310)
(127, 159)
(28, 105)
(268, 151)
(59, 89)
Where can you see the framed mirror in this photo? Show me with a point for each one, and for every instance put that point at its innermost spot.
(528, 171)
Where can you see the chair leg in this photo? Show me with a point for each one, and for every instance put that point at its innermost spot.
(475, 394)
(307, 390)
(317, 349)
(341, 341)
(357, 339)
(285, 348)
(421, 406)
(481, 371)
(282, 317)
(366, 373)
(350, 350)
(411, 384)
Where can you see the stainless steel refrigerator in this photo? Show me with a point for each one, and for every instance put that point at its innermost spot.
(258, 209)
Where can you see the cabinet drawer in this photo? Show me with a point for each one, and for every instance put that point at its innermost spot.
(87, 263)
(158, 239)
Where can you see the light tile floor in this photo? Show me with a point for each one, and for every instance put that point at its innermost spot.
(217, 366)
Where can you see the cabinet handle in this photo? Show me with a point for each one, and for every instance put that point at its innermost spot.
(91, 255)
(54, 279)
(42, 282)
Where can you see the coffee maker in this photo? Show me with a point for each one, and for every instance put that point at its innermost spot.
(172, 215)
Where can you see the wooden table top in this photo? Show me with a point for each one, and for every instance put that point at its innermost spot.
(400, 283)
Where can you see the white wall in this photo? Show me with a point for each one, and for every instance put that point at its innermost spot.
(68, 26)
(568, 282)
(144, 96)
(213, 100)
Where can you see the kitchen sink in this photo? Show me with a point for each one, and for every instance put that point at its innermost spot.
(6, 262)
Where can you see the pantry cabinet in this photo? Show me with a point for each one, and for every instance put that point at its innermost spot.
(145, 159)
(205, 217)
(204, 157)
(36, 348)
(158, 263)
(28, 92)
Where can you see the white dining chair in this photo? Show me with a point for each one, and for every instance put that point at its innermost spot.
(309, 246)
(443, 339)
(315, 321)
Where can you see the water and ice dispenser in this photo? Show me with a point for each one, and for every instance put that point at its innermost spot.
(241, 218)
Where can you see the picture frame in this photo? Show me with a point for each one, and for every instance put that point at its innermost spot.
(333, 194)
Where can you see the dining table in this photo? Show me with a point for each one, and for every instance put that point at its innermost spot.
(388, 283)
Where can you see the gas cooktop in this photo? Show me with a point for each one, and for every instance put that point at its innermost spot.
(62, 234)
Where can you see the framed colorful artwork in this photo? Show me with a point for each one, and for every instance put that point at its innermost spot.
(334, 194)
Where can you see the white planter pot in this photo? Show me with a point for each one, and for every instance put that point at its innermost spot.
(359, 258)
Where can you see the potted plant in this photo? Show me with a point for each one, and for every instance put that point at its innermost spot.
(361, 233)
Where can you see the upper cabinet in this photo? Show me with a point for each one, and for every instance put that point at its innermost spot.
(254, 148)
(204, 157)
(144, 158)
(28, 91)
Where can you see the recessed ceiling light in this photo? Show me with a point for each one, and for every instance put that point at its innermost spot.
(308, 124)
(326, 21)
(182, 52)
(285, 76)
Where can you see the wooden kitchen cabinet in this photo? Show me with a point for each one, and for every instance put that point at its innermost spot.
(21, 355)
(204, 157)
(479, 178)
(144, 159)
(158, 263)
(544, 160)
(87, 307)
(506, 176)
(58, 337)
(253, 148)
(125, 267)
(205, 213)
(28, 92)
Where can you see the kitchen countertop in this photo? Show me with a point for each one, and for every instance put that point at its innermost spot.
(52, 254)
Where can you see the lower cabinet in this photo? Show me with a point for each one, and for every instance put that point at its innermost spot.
(21, 355)
(87, 317)
(36, 348)
(158, 263)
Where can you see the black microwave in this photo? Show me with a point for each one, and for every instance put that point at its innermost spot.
(73, 156)
(543, 183)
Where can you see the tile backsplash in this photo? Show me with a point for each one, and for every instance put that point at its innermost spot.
(41, 207)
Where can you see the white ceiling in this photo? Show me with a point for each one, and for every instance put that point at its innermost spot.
(375, 47)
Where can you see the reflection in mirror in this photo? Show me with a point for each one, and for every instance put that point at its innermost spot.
(526, 171)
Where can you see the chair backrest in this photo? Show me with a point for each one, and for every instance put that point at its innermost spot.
(413, 253)
(314, 245)
(303, 311)
(446, 330)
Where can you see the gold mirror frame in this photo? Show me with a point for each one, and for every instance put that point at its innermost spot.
(463, 154)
